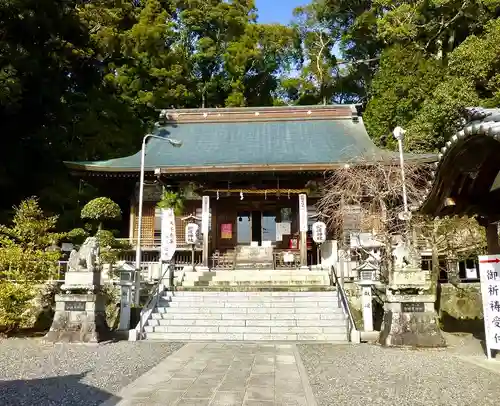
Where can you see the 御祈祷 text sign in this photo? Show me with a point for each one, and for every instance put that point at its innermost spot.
(489, 274)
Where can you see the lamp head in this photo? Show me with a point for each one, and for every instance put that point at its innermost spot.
(399, 133)
(175, 143)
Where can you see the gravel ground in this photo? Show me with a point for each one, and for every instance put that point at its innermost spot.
(372, 375)
(35, 373)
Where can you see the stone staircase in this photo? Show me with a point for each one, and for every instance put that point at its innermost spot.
(247, 316)
(257, 277)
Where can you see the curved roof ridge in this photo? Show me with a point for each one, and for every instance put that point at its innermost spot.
(477, 121)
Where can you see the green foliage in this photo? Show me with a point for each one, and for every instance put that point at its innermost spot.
(77, 235)
(172, 200)
(400, 87)
(101, 209)
(459, 238)
(110, 247)
(15, 305)
(54, 105)
(26, 257)
(25, 247)
(111, 299)
(89, 76)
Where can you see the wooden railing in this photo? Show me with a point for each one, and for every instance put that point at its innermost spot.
(154, 243)
(279, 257)
(282, 259)
(180, 257)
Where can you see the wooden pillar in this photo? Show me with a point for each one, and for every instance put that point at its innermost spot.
(492, 239)
(131, 226)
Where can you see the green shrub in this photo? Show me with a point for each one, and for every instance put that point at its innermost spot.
(78, 236)
(16, 302)
(27, 258)
(101, 209)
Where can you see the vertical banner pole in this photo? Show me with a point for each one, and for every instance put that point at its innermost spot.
(303, 228)
(205, 218)
(168, 242)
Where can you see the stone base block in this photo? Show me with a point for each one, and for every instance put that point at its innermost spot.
(411, 329)
(81, 280)
(79, 318)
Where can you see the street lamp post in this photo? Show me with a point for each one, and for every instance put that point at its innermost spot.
(399, 135)
(138, 252)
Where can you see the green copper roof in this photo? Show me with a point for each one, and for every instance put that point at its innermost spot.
(290, 142)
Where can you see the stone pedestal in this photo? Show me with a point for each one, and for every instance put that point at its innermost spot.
(79, 318)
(74, 280)
(410, 320)
(80, 312)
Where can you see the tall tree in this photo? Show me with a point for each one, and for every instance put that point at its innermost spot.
(319, 69)
(421, 83)
(53, 105)
(354, 24)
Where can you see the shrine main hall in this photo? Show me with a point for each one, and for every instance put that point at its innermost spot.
(252, 163)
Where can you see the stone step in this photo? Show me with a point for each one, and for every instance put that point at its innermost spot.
(248, 316)
(246, 309)
(245, 329)
(256, 288)
(250, 282)
(260, 294)
(340, 338)
(248, 304)
(250, 299)
(339, 322)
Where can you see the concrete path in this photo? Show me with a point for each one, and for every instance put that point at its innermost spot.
(224, 374)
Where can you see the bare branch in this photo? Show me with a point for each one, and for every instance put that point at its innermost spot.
(366, 195)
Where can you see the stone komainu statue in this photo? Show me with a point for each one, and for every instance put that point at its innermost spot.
(400, 255)
(86, 258)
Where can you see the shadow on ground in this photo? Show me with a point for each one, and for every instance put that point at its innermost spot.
(60, 390)
(464, 327)
(451, 324)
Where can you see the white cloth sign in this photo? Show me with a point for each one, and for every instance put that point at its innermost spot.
(489, 273)
(283, 229)
(168, 235)
(302, 212)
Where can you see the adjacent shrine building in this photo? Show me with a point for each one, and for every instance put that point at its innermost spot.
(252, 163)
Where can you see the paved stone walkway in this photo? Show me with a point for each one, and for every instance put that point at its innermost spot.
(224, 374)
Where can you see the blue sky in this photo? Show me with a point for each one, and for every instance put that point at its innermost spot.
(277, 11)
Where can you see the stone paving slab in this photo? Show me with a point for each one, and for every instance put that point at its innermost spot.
(224, 374)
